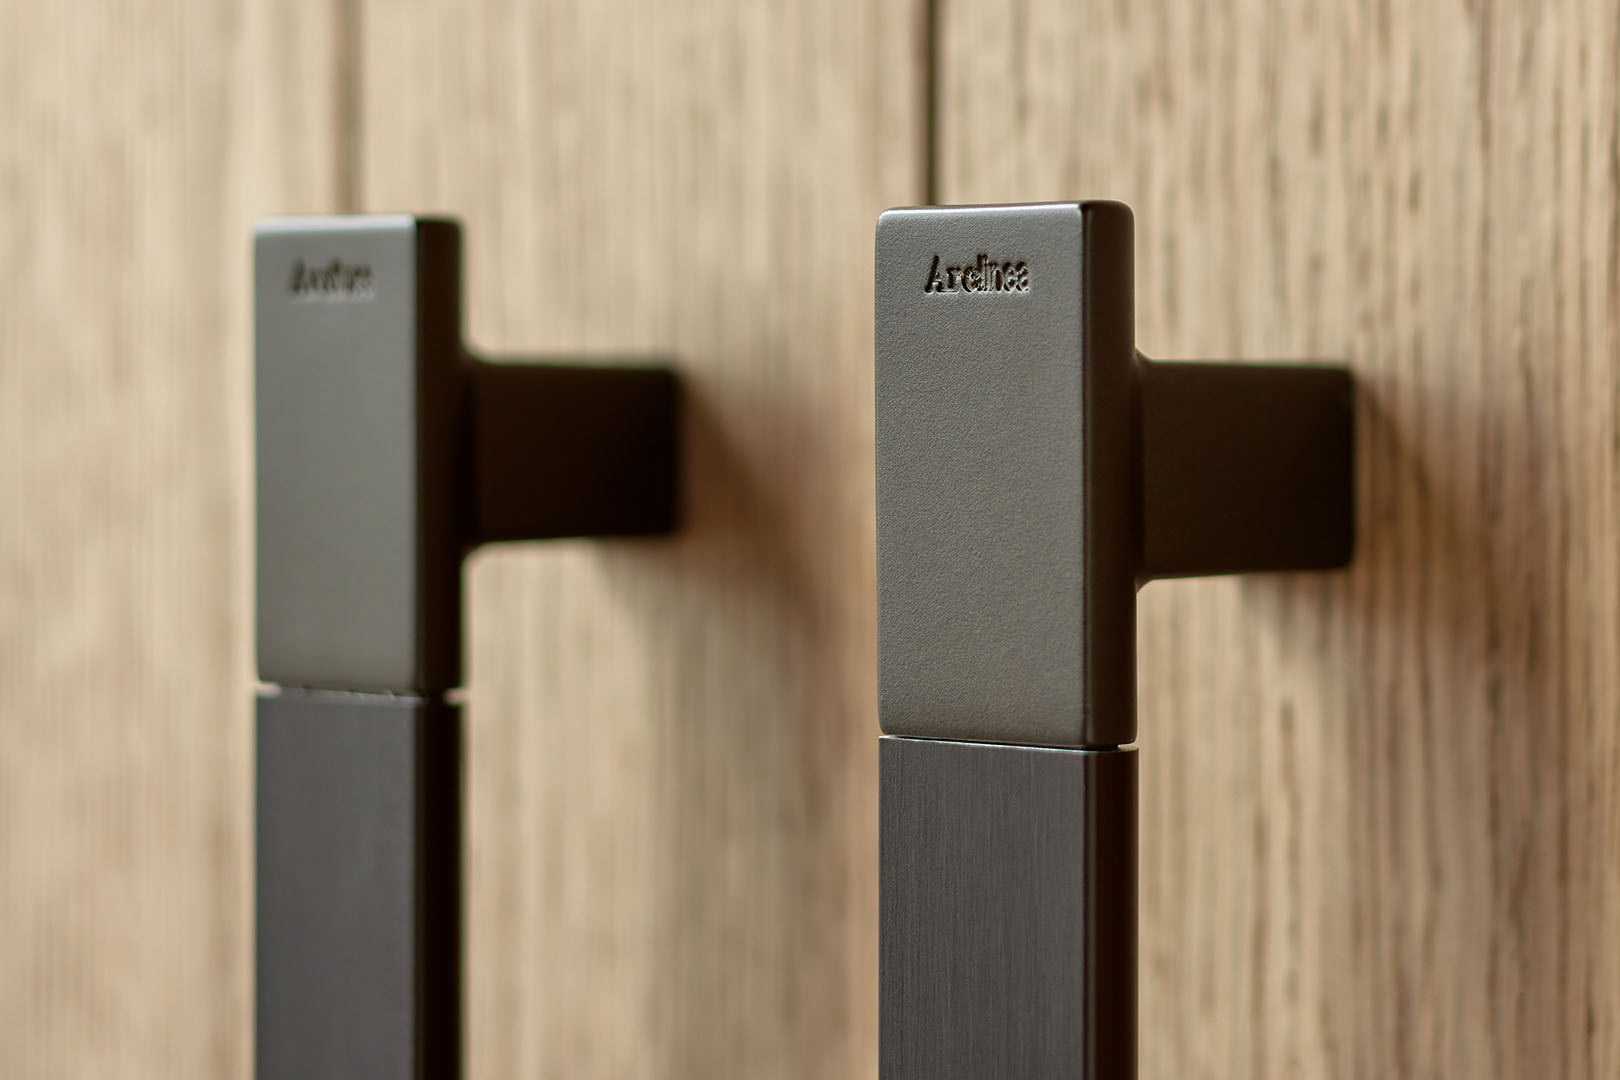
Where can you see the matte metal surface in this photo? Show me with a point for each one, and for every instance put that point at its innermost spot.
(385, 452)
(1008, 912)
(1032, 470)
(358, 559)
(357, 886)
(1006, 591)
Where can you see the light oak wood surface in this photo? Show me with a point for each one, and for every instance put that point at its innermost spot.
(1380, 823)
(140, 141)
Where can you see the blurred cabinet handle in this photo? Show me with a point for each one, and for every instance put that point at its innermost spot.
(385, 452)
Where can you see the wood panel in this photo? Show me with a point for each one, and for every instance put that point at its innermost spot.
(1381, 809)
(672, 781)
(141, 140)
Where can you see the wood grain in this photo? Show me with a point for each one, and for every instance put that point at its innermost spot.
(141, 141)
(672, 780)
(1381, 830)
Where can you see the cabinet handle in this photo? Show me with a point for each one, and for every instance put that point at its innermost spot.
(385, 452)
(1033, 471)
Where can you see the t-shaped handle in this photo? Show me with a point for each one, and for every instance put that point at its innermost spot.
(1033, 471)
(385, 452)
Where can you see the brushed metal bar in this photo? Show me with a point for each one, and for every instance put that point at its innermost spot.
(1007, 912)
(357, 887)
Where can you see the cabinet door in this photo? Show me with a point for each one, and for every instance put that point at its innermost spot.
(1379, 833)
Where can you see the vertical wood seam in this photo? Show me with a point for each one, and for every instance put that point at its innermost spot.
(933, 77)
(348, 104)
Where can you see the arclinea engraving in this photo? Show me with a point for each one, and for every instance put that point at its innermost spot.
(336, 280)
(983, 275)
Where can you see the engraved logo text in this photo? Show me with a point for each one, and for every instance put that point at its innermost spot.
(982, 275)
(337, 280)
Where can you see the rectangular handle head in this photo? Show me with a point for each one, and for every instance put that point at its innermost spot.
(1006, 590)
(385, 452)
(1033, 470)
(356, 411)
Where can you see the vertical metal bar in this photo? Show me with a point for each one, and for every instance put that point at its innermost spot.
(1007, 912)
(357, 887)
